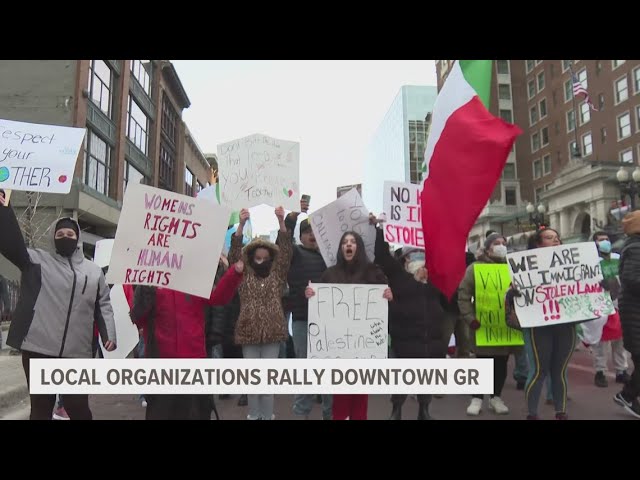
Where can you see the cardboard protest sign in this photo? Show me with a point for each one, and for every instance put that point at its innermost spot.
(38, 158)
(258, 170)
(559, 285)
(345, 214)
(348, 321)
(168, 240)
(401, 205)
(492, 282)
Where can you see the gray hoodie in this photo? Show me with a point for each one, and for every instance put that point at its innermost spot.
(60, 298)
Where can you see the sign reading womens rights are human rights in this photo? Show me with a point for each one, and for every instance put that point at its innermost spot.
(168, 240)
(559, 285)
(37, 157)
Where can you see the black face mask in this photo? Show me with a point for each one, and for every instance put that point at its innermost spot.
(65, 246)
(262, 269)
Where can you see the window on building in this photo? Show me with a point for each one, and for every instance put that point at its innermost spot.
(544, 133)
(132, 175)
(169, 121)
(506, 115)
(137, 125)
(585, 113)
(540, 81)
(537, 169)
(538, 62)
(533, 114)
(510, 196)
(141, 69)
(636, 80)
(617, 63)
(622, 89)
(624, 126)
(100, 85)
(603, 135)
(167, 167)
(97, 169)
(543, 108)
(509, 172)
(626, 156)
(587, 145)
(531, 88)
(582, 78)
(504, 92)
(188, 182)
(546, 164)
(573, 149)
(568, 91)
(199, 186)
(565, 65)
(535, 142)
(503, 66)
(530, 65)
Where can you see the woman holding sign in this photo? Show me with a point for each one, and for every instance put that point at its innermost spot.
(260, 328)
(354, 267)
(486, 281)
(61, 296)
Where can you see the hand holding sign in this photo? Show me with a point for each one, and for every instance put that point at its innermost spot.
(244, 216)
(109, 346)
(388, 295)
(309, 292)
(280, 213)
(239, 266)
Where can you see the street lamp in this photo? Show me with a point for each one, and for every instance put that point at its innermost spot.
(629, 186)
(536, 215)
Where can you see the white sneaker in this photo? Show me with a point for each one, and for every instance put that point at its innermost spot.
(144, 403)
(497, 405)
(474, 407)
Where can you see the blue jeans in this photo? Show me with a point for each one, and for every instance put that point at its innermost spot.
(521, 370)
(303, 404)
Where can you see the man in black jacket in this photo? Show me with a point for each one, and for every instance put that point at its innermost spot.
(629, 307)
(416, 317)
(307, 266)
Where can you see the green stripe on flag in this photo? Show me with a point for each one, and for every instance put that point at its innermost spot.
(478, 74)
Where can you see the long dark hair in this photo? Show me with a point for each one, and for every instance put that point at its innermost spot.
(360, 259)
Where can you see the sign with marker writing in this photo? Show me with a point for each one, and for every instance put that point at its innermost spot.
(38, 158)
(168, 240)
(346, 214)
(559, 285)
(258, 170)
(401, 205)
(348, 321)
(492, 282)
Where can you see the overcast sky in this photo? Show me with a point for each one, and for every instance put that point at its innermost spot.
(331, 107)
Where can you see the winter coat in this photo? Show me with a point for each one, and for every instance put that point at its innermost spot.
(307, 265)
(60, 297)
(173, 322)
(261, 319)
(215, 316)
(466, 292)
(415, 314)
(629, 301)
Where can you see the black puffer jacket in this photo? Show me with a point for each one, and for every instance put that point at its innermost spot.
(215, 317)
(629, 302)
(306, 266)
(415, 315)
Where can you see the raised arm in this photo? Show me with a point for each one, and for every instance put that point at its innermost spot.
(235, 252)
(12, 245)
(225, 290)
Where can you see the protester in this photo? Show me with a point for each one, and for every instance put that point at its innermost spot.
(261, 327)
(352, 267)
(173, 326)
(629, 304)
(62, 294)
(494, 253)
(416, 318)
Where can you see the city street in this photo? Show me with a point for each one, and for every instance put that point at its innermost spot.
(587, 402)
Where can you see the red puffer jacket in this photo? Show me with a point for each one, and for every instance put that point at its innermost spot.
(178, 322)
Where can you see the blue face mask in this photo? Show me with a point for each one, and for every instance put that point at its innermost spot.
(604, 246)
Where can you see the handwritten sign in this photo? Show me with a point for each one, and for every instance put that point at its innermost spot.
(168, 240)
(401, 205)
(492, 283)
(348, 321)
(126, 331)
(258, 170)
(559, 285)
(38, 158)
(345, 214)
